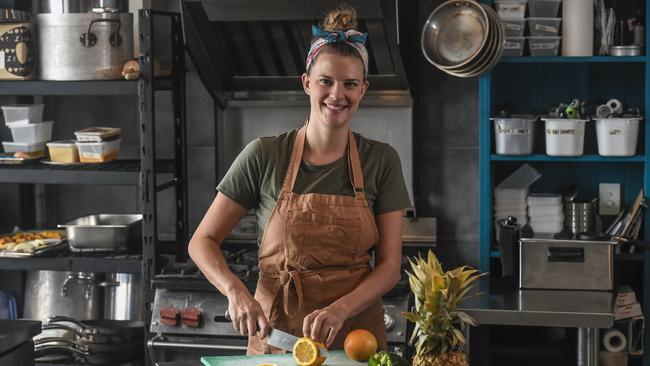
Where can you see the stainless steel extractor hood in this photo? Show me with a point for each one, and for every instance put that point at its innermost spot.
(244, 48)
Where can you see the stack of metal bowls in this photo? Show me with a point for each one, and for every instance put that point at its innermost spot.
(463, 38)
(579, 217)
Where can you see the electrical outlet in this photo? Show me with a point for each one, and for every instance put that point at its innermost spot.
(609, 198)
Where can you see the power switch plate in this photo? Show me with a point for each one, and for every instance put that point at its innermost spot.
(609, 198)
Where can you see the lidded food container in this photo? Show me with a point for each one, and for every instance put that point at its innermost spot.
(63, 151)
(97, 134)
(29, 147)
(565, 137)
(514, 135)
(513, 9)
(32, 132)
(514, 46)
(544, 46)
(98, 152)
(544, 8)
(514, 27)
(544, 27)
(617, 136)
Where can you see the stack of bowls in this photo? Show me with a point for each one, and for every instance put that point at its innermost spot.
(463, 38)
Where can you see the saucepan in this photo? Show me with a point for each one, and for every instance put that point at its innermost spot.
(455, 33)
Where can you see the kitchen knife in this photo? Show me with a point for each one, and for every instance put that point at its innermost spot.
(285, 341)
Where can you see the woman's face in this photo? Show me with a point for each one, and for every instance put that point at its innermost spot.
(335, 85)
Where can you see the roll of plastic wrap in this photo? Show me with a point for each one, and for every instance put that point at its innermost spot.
(614, 341)
(615, 105)
(577, 27)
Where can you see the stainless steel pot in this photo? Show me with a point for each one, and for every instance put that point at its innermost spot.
(51, 293)
(123, 297)
(82, 6)
(84, 46)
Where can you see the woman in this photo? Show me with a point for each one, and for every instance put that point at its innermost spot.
(324, 199)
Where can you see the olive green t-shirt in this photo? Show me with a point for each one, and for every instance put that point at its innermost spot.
(255, 178)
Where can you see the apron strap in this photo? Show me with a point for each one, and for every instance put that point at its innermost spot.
(354, 164)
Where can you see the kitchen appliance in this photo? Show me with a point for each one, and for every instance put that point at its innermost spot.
(49, 293)
(566, 264)
(508, 241)
(83, 6)
(189, 316)
(104, 233)
(16, 346)
(17, 51)
(84, 46)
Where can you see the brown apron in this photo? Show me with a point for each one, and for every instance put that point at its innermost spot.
(316, 249)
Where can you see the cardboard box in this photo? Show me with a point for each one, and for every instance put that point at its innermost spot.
(628, 311)
(18, 51)
(625, 296)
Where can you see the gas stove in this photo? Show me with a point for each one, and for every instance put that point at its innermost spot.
(189, 314)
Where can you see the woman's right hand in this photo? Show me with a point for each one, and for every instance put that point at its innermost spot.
(246, 314)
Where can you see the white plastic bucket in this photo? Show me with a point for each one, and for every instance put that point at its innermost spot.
(617, 136)
(565, 137)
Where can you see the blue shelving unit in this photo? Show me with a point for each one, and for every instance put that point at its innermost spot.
(532, 85)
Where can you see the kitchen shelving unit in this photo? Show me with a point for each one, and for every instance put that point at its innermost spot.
(140, 173)
(532, 85)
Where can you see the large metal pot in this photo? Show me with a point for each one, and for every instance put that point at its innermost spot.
(123, 297)
(51, 293)
(82, 6)
(84, 46)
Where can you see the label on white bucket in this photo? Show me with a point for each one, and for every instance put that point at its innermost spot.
(545, 28)
(564, 131)
(2, 59)
(615, 132)
(513, 26)
(512, 46)
(512, 131)
(542, 46)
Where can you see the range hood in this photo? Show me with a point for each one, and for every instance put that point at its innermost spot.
(248, 48)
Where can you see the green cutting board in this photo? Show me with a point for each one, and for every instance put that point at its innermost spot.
(335, 358)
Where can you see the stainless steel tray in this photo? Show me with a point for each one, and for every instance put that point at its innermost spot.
(104, 233)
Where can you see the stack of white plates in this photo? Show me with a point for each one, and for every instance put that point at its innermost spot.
(546, 214)
(463, 38)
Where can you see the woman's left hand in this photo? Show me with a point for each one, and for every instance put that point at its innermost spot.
(323, 325)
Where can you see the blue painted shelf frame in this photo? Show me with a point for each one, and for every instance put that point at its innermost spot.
(562, 79)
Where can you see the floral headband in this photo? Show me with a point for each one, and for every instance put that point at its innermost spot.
(353, 38)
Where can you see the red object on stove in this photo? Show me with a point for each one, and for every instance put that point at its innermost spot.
(191, 317)
(169, 316)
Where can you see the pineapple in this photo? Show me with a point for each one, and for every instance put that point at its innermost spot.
(438, 335)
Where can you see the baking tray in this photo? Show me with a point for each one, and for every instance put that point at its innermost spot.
(104, 233)
(47, 246)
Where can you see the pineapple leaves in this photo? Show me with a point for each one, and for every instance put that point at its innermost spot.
(438, 323)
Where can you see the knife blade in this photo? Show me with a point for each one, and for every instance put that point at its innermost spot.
(285, 341)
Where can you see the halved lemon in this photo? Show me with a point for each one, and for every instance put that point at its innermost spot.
(307, 353)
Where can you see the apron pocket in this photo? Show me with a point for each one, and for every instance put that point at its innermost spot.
(315, 240)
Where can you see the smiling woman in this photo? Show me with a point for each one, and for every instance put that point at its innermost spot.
(325, 199)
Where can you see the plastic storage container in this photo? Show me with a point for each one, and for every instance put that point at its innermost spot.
(7, 306)
(63, 151)
(565, 137)
(98, 152)
(514, 46)
(544, 199)
(514, 9)
(544, 8)
(98, 134)
(617, 136)
(21, 112)
(514, 27)
(514, 136)
(544, 46)
(33, 132)
(544, 27)
(23, 146)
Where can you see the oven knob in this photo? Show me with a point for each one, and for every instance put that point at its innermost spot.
(191, 317)
(389, 321)
(169, 316)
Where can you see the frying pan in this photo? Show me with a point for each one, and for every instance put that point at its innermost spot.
(103, 331)
(454, 33)
(130, 348)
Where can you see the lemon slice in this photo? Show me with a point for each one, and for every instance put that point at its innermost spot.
(307, 353)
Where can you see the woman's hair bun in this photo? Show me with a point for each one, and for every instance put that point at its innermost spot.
(343, 18)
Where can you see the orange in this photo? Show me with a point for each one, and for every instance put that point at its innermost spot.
(360, 345)
(306, 352)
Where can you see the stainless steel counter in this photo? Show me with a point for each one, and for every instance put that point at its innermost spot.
(589, 311)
